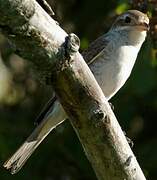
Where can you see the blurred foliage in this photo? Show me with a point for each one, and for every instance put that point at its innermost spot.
(60, 157)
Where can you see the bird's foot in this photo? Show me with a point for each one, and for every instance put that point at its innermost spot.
(112, 106)
(130, 142)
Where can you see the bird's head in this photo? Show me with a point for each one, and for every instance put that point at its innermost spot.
(134, 24)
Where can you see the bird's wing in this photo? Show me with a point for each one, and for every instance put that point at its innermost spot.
(45, 111)
(95, 48)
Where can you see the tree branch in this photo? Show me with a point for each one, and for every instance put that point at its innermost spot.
(55, 57)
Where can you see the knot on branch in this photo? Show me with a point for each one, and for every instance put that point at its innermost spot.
(128, 161)
(97, 117)
(72, 45)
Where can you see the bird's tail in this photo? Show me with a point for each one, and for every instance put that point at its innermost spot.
(50, 121)
(15, 163)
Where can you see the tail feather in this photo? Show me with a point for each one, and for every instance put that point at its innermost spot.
(15, 163)
(54, 117)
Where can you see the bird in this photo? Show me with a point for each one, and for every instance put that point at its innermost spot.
(111, 58)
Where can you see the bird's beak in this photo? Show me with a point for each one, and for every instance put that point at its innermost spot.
(144, 26)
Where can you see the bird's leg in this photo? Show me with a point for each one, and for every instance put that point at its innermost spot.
(130, 142)
(112, 106)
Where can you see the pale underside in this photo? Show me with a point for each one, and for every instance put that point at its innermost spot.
(111, 63)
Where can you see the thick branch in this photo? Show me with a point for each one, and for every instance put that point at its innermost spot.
(36, 35)
(39, 39)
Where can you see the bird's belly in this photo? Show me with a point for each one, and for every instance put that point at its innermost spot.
(112, 74)
(109, 79)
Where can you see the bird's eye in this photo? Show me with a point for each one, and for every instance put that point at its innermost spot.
(127, 19)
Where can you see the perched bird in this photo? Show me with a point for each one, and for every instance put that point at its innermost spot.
(111, 58)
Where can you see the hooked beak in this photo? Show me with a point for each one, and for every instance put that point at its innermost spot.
(144, 26)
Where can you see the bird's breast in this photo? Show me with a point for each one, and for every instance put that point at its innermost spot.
(112, 69)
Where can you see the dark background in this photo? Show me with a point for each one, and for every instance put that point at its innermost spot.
(60, 156)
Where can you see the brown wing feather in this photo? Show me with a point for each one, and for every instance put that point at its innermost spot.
(94, 49)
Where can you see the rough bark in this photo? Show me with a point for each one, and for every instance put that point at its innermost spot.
(54, 55)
